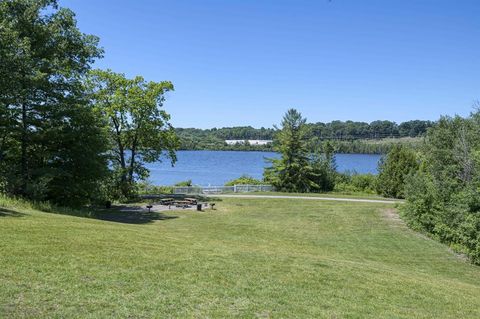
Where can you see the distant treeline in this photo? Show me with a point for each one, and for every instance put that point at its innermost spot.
(371, 146)
(375, 130)
(348, 137)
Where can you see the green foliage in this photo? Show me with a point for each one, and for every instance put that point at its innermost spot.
(323, 163)
(146, 188)
(375, 146)
(61, 127)
(349, 137)
(214, 139)
(244, 180)
(364, 183)
(186, 183)
(51, 141)
(138, 126)
(442, 197)
(299, 169)
(350, 130)
(377, 137)
(393, 170)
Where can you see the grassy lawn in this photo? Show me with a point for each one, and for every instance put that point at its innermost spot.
(357, 195)
(251, 258)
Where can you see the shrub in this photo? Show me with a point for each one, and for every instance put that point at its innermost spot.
(393, 169)
(442, 196)
(186, 183)
(146, 188)
(347, 182)
(244, 180)
(364, 182)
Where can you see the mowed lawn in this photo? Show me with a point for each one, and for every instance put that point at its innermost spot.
(250, 258)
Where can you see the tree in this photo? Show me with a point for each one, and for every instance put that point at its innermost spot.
(244, 180)
(324, 166)
(393, 169)
(138, 126)
(414, 128)
(50, 142)
(299, 169)
(442, 197)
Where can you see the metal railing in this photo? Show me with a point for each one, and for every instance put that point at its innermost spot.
(221, 189)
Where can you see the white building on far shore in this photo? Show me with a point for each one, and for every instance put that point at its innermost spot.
(251, 142)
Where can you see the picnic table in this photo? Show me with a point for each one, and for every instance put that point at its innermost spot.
(192, 201)
(167, 201)
(183, 203)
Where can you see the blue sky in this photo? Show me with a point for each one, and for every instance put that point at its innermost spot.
(246, 62)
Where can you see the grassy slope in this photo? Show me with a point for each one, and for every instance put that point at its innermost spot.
(355, 195)
(250, 258)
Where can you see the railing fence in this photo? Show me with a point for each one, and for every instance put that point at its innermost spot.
(221, 189)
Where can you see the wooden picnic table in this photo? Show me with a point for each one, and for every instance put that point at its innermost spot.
(182, 203)
(167, 201)
(192, 201)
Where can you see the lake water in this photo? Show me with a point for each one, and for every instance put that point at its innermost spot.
(217, 167)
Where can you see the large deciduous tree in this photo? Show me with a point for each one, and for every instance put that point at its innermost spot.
(139, 128)
(51, 143)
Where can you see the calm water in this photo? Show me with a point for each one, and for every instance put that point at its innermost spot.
(218, 167)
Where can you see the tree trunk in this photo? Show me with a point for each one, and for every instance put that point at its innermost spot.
(132, 161)
(124, 187)
(24, 162)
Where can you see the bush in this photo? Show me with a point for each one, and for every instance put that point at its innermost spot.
(393, 170)
(442, 196)
(419, 209)
(244, 180)
(186, 183)
(146, 188)
(365, 183)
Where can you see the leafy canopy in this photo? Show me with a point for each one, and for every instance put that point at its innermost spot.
(51, 142)
(443, 195)
(139, 129)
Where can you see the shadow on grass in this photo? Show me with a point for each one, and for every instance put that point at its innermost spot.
(119, 214)
(4, 212)
(130, 215)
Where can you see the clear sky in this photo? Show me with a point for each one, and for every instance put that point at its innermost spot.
(246, 62)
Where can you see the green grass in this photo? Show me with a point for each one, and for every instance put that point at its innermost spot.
(265, 258)
(356, 195)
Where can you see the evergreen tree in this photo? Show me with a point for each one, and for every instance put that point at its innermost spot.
(299, 169)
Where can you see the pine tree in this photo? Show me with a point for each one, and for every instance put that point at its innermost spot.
(299, 169)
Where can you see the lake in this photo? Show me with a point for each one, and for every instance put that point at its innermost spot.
(217, 167)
